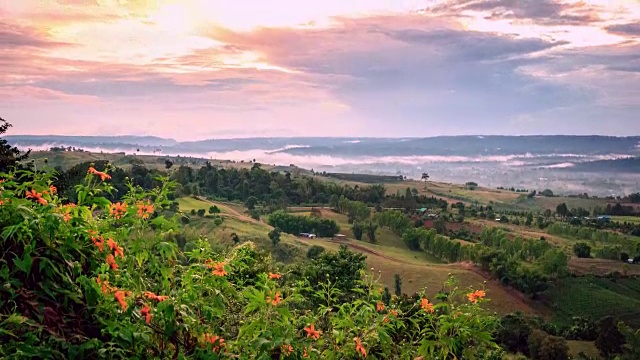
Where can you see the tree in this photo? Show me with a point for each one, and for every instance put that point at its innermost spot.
(201, 212)
(547, 193)
(582, 250)
(425, 177)
(386, 296)
(610, 341)
(314, 252)
(235, 238)
(274, 235)
(624, 256)
(529, 220)
(371, 232)
(357, 230)
(251, 202)
(9, 154)
(632, 337)
(397, 284)
(193, 212)
(214, 210)
(513, 333)
(543, 346)
(562, 210)
(168, 164)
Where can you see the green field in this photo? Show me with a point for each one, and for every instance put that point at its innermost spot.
(594, 298)
(628, 219)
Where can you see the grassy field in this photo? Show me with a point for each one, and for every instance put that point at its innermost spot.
(594, 298)
(629, 219)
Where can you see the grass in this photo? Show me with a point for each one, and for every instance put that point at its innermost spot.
(587, 347)
(594, 298)
(629, 219)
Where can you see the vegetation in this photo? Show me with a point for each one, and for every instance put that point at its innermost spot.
(293, 224)
(98, 279)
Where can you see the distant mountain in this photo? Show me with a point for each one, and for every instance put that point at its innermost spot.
(563, 146)
(479, 146)
(628, 165)
(90, 141)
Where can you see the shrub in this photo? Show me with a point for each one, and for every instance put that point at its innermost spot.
(582, 250)
(543, 346)
(93, 280)
(201, 212)
(315, 251)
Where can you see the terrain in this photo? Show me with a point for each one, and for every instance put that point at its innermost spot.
(567, 164)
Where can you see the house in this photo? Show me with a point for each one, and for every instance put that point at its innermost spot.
(340, 236)
(307, 235)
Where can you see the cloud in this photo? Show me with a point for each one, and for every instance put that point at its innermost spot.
(625, 29)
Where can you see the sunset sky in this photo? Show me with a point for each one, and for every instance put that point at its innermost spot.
(197, 69)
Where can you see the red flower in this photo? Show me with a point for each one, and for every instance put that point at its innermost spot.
(117, 251)
(276, 299)
(360, 348)
(118, 210)
(105, 287)
(476, 295)
(152, 296)
(36, 196)
(144, 211)
(380, 306)
(146, 312)
(112, 262)
(287, 349)
(312, 332)
(426, 306)
(99, 242)
(120, 295)
(52, 189)
(103, 176)
(218, 269)
(274, 276)
(216, 341)
(394, 312)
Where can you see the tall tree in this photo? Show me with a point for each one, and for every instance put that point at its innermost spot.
(8, 154)
(425, 177)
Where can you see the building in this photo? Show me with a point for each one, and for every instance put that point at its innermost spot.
(307, 235)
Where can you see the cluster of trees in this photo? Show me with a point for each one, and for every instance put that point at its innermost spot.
(395, 220)
(268, 187)
(522, 249)
(617, 243)
(294, 224)
(617, 209)
(355, 210)
(513, 189)
(412, 200)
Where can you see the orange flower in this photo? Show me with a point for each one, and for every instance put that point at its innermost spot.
(146, 312)
(36, 196)
(380, 306)
(52, 189)
(118, 210)
(117, 250)
(216, 341)
(385, 319)
(394, 312)
(360, 348)
(103, 176)
(276, 299)
(476, 295)
(152, 296)
(287, 349)
(98, 241)
(1, 202)
(426, 306)
(120, 295)
(144, 211)
(112, 262)
(274, 276)
(218, 269)
(305, 354)
(105, 287)
(312, 332)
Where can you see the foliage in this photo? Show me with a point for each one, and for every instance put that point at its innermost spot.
(582, 250)
(357, 230)
(513, 333)
(315, 251)
(9, 155)
(293, 224)
(609, 341)
(397, 284)
(394, 220)
(274, 236)
(371, 232)
(543, 346)
(100, 280)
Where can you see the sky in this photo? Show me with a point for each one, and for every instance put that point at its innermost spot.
(197, 69)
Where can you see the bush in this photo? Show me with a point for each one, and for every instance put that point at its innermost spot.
(610, 340)
(582, 250)
(201, 212)
(314, 252)
(85, 284)
(546, 347)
